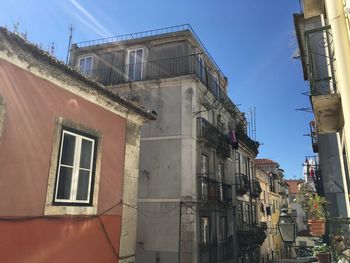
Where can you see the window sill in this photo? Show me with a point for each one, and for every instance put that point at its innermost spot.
(69, 210)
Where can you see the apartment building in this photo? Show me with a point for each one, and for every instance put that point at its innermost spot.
(197, 187)
(322, 29)
(69, 158)
(304, 238)
(274, 199)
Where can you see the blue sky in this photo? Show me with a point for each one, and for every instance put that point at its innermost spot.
(252, 41)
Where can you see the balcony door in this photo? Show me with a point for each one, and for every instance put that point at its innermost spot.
(135, 64)
(204, 239)
(205, 179)
(221, 175)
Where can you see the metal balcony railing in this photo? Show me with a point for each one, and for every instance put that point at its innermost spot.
(225, 193)
(212, 190)
(226, 249)
(242, 183)
(255, 236)
(148, 33)
(314, 136)
(320, 61)
(247, 141)
(255, 189)
(207, 188)
(208, 252)
(166, 68)
(213, 136)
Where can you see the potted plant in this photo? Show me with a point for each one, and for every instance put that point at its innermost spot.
(316, 215)
(313, 205)
(322, 253)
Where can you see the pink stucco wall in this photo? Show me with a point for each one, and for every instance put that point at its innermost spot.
(32, 106)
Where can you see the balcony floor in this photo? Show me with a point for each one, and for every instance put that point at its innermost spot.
(327, 110)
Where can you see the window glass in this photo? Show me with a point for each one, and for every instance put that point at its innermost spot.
(204, 165)
(75, 168)
(223, 226)
(204, 230)
(85, 65)
(135, 64)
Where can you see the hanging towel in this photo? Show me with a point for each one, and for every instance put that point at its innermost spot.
(233, 139)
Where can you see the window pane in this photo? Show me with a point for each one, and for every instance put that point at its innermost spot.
(131, 65)
(68, 148)
(88, 65)
(82, 64)
(138, 64)
(85, 155)
(64, 183)
(83, 185)
(204, 230)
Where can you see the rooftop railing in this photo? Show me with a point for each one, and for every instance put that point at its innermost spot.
(149, 33)
(320, 61)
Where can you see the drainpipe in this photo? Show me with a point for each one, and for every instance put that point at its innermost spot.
(337, 20)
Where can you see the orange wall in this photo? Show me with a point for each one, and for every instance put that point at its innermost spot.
(32, 105)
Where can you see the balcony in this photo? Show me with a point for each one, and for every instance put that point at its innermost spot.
(256, 189)
(253, 237)
(213, 190)
(247, 141)
(321, 73)
(314, 136)
(208, 252)
(226, 249)
(242, 184)
(213, 137)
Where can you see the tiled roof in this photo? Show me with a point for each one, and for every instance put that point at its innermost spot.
(264, 162)
(293, 185)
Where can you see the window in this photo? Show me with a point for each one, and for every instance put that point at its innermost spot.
(74, 173)
(204, 165)
(240, 216)
(135, 61)
(237, 163)
(220, 123)
(85, 65)
(216, 86)
(204, 225)
(202, 74)
(221, 176)
(75, 169)
(204, 180)
(223, 228)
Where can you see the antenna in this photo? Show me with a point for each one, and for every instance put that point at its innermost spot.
(52, 50)
(69, 41)
(254, 131)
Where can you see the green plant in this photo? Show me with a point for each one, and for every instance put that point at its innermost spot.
(315, 207)
(319, 249)
(312, 203)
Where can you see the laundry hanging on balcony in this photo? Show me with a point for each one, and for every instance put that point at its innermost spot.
(232, 139)
(309, 172)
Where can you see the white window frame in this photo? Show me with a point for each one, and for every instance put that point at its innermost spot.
(63, 208)
(76, 167)
(202, 67)
(204, 165)
(128, 63)
(85, 71)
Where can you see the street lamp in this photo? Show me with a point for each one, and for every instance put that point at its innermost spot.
(287, 228)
